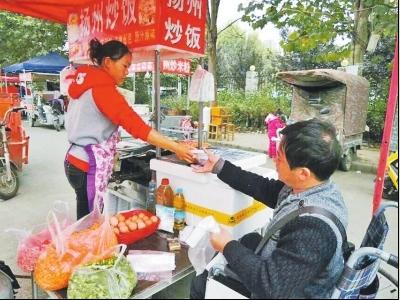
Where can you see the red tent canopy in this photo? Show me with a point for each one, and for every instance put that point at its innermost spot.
(176, 31)
(52, 10)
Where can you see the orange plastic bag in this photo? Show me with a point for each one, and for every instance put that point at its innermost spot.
(89, 239)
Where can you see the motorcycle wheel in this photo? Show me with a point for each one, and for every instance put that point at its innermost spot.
(346, 160)
(31, 121)
(57, 125)
(389, 191)
(8, 188)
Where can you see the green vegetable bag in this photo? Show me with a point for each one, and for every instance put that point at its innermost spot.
(112, 278)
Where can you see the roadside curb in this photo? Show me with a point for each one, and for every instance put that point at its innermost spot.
(363, 167)
(357, 165)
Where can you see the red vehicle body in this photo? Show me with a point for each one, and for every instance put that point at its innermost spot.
(18, 141)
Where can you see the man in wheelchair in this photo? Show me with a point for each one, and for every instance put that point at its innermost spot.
(304, 258)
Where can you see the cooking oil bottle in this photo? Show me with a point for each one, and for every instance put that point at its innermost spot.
(165, 194)
(180, 205)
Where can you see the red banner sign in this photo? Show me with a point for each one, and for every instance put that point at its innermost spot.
(171, 66)
(175, 27)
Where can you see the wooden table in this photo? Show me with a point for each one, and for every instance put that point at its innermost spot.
(146, 289)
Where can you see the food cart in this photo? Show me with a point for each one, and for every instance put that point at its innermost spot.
(335, 96)
(156, 31)
(52, 10)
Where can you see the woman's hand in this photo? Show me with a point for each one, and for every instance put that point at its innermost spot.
(209, 164)
(184, 152)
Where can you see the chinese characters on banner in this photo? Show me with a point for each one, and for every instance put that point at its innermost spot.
(177, 26)
(172, 66)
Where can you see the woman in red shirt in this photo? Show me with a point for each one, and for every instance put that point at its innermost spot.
(95, 111)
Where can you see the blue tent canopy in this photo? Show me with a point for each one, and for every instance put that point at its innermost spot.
(51, 63)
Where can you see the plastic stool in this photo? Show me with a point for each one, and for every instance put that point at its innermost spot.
(230, 131)
(214, 132)
(223, 128)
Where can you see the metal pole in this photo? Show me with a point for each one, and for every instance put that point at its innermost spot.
(156, 89)
(134, 86)
(25, 87)
(387, 130)
(200, 132)
(5, 79)
(34, 287)
(179, 87)
(200, 129)
(153, 97)
(187, 99)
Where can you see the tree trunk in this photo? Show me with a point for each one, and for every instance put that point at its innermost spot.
(361, 34)
(212, 62)
(212, 35)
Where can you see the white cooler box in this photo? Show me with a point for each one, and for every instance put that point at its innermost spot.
(206, 195)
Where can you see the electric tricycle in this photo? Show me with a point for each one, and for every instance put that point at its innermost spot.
(13, 146)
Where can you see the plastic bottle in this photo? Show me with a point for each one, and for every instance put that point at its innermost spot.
(180, 205)
(164, 194)
(151, 196)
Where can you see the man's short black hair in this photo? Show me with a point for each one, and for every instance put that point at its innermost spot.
(312, 144)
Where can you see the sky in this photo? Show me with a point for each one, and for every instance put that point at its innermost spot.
(228, 13)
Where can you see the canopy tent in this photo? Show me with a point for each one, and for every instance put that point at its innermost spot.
(153, 30)
(176, 31)
(52, 10)
(50, 63)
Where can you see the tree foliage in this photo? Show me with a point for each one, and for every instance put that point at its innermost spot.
(378, 67)
(249, 111)
(236, 52)
(377, 70)
(315, 22)
(22, 38)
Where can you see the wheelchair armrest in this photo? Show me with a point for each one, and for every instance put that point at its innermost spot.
(349, 249)
(231, 274)
(393, 261)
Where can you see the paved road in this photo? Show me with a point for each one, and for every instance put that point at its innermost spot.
(43, 182)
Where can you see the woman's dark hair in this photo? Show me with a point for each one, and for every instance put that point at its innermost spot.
(112, 49)
(312, 144)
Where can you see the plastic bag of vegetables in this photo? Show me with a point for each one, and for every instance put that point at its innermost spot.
(32, 242)
(89, 239)
(112, 278)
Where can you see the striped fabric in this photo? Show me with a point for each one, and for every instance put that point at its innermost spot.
(358, 279)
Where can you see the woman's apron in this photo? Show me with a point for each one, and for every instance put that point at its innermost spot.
(101, 161)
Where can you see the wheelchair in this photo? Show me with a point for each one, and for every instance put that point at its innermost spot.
(360, 275)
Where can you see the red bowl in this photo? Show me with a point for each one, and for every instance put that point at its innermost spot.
(134, 236)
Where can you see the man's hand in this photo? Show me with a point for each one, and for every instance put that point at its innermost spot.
(209, 165)
(219, 240)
